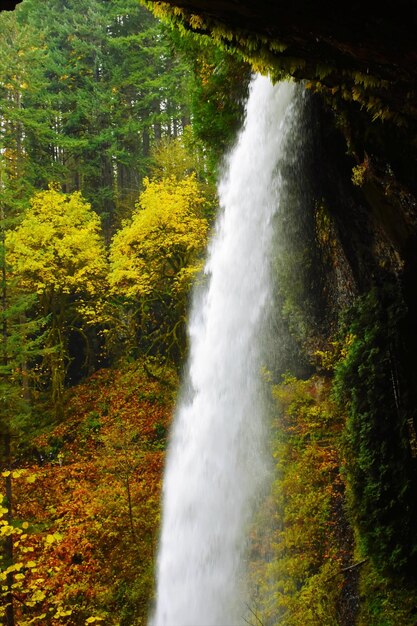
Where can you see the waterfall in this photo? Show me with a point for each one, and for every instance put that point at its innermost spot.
(216, 461)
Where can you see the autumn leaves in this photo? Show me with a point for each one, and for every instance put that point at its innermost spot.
(57, 254)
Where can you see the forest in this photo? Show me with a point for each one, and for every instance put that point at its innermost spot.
(115, 119)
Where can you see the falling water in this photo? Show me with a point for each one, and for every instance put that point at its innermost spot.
(216, 461)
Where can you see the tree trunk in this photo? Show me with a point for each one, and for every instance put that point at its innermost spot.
(8, 543)
(129, 502)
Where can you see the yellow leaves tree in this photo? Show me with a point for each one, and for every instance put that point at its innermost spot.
(155, 257)
(57, 252)
(57, 248)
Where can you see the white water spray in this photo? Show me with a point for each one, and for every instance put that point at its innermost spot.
(216, 459)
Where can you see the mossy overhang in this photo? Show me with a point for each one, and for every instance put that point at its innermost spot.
(354, 35)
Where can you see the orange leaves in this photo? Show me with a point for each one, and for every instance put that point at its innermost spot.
(89, 520)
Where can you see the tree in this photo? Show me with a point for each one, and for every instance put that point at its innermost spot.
(21, 60)
(149, 84)
(57, 252)
(155, 257)
(83, 101)
(218, 87)
(20, 338)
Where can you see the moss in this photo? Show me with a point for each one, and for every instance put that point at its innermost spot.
(295, 42)
(380, 467)
(385, 601)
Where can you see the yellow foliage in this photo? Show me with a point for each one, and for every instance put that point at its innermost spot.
(57, 248)
(61, 612)
(359, 173)
(196, 21)
(38, 596)
(157, 250)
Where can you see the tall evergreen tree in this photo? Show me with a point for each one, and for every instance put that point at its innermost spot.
(105, 87)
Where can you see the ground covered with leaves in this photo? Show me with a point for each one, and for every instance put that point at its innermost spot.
(86, 513)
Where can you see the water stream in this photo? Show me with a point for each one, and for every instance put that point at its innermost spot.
(216, 461)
